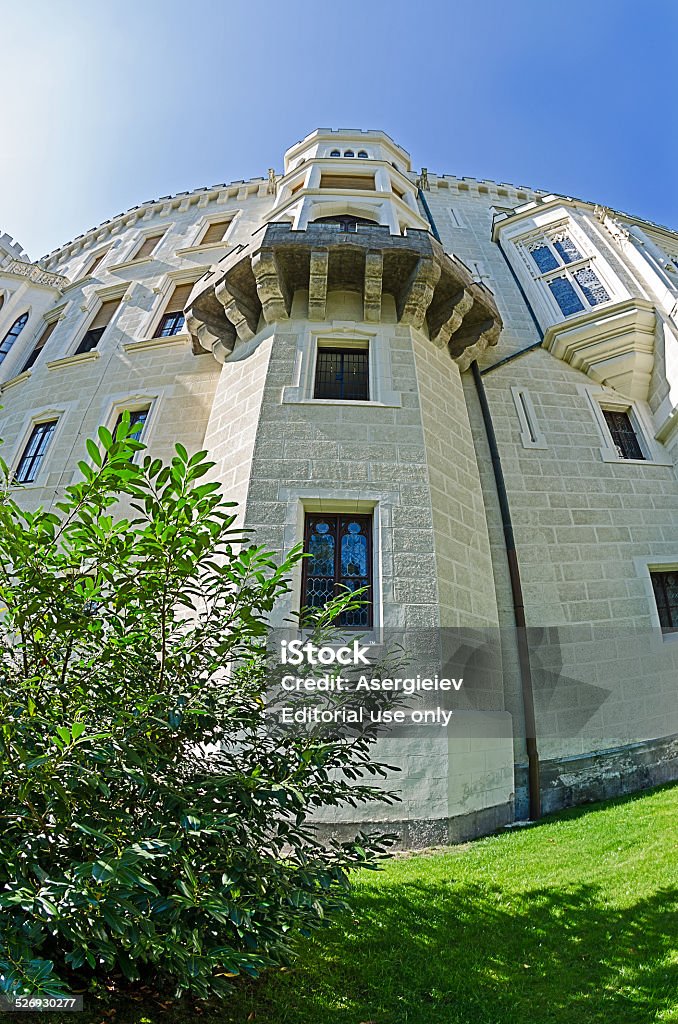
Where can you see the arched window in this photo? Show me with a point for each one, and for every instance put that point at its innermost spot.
(362, 154)
(349, 152)
(346, 221)
(12, 334)
(335, 152)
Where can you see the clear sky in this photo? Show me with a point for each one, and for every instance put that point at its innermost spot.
(107, 104)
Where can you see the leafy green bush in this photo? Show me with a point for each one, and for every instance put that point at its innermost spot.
(150, 825)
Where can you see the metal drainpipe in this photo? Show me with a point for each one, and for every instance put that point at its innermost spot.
(514, 575)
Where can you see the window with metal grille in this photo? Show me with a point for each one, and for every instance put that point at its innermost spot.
(42, 341)
(567, 273)
(34, 452)
(91, 338)
(624, 436)
(342, 374)
(340, 550)
(665, 586)
(172, 321)
(12, 334)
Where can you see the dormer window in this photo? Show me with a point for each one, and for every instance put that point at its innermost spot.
(567, 273)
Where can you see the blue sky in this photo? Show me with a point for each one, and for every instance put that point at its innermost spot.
(106, 105)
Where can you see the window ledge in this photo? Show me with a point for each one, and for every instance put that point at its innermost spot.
(609, 455)
(80, 357)
(151, 343)
(24, 375)
(389, 400)
(190, 249)
(132, 262)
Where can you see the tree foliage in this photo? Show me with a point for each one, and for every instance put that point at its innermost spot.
(150, 823)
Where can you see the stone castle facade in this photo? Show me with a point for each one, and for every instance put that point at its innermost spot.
(430, 372)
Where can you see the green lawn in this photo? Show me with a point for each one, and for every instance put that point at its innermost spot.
(572, 921)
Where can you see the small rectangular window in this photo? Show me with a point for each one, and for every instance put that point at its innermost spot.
(147, 246)
(342, 374)
(665, 586)
(340, 550)
(339, 182)
(216, 231)
(138, 419)
(34, 452)
(96, 263)
(172, 321)
(41, 342)
(623, 434)
(96, 329)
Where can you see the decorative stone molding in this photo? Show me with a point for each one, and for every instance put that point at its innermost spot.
(36, 275)
(613, 345)
(433, 292)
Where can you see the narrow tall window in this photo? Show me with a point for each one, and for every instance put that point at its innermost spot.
(216, 231)
(172, 320)
(665, 586)
(624, 436)
(96, 263)
(567, 273)
(12, 334)
(34, 452)
(343, 374)
(138, 419)
(96, 329)
(40, 344)
(340, 549)
(147, 247)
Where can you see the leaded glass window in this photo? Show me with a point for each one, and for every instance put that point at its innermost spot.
(565, 295)
(567, 273)
(665, 586)
(343, 374)
(340, 550)
(34, 452)
(624, 436)
(593, 290)
(566, 249)
(544, 258)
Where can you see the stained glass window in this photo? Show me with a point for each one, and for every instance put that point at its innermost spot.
(34, 452)
(593, 290)
(665, 586)
(566, 249)
(624, 436)
(340, 547)
(544, 258)
(565, 295)
(342, 374)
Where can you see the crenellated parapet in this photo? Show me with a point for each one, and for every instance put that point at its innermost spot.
(433, 291)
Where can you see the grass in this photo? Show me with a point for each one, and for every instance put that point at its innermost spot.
(571, 921)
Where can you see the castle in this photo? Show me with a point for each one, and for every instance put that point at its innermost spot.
(471, 387)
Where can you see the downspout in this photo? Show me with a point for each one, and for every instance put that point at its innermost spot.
(514, 573)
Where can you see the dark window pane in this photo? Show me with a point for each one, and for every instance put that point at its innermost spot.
(34, 452)
(565, 296)
(544, 258)
(665, 586)
(566, 249)
(137, 421)
(340, 550)
(623, 434)
(342, 374)
(12, 334)
(90, 340)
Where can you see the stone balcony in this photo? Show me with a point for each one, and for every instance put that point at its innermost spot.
(253, 286)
